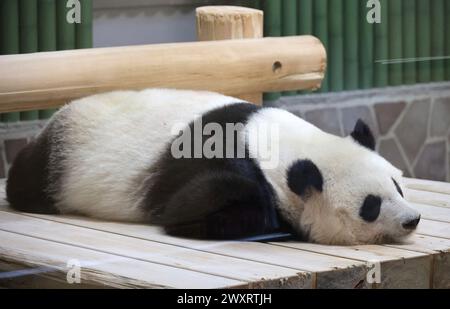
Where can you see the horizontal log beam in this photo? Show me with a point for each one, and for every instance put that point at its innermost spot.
(232, 67)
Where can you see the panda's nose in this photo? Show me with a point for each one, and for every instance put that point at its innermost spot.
(411, 224)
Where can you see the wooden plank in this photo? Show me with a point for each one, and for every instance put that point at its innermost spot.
(144, 250)
(432, 212)
(425, 244)
(439, 248)
(322, 266)
(328, 277)
(346, 273)
(48, 79)
(427, 185)
(397, 262)
(427, 197)
(97, 268)
(399, 268)
(434, 228)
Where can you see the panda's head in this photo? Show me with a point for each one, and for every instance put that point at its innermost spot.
(349, 193)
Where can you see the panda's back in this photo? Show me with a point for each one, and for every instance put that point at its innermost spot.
(93, 155)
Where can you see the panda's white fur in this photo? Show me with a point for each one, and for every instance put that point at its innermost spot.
(350, 172)
(111, 140)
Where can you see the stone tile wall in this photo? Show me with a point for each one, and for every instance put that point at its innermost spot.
(411, 124)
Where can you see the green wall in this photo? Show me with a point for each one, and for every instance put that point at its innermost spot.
(28, 26)
(409, 29)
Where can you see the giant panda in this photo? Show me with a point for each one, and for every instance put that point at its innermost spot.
(111, 156)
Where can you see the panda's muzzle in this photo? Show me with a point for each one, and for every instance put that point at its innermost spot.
(411, 224)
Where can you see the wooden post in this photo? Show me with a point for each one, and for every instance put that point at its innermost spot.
(230, 22)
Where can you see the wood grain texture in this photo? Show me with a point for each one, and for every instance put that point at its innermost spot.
(134, 255)
(144, 250)
(98, 268)
(230, 23)
(232, 67)
(428, 197)
(427, 185)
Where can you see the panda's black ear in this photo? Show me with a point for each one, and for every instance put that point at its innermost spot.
(362, 134)
(303, 176)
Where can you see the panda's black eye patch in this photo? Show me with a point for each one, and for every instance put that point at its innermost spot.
(370, 210)
(398, 187)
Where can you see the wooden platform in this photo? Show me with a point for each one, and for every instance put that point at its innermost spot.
(35, 250)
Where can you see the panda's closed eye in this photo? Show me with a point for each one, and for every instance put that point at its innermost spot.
(370, 210)
(398, 187)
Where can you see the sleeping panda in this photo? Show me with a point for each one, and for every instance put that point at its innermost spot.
(133, 156)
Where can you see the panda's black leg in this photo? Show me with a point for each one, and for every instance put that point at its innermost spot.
(220, 206)
(28, 179)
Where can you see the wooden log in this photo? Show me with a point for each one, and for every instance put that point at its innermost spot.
(233, 67)
(229, 23)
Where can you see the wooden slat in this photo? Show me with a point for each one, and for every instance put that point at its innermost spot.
(413, 264)
(328, 269)
(399, 268)
(439, 249)
(427, 185)
(97, 268)
(302, 261)
(233, 67)
(432, 212)
(425, 244)
(429, 198)
(232, 268)
(434, 228)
